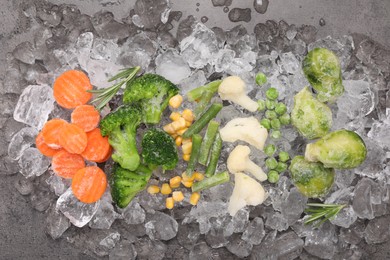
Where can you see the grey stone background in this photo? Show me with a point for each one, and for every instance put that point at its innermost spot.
(22, 228)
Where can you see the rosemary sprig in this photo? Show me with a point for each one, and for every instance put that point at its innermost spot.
(320, 213)
(106, 94)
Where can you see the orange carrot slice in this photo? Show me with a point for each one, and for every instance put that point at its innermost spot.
(107, 156)
(86, 117)
(97, 147)
(70, 89)
(89, 184)
(72, 138)
(43, 147)
(66, 165)
(50, 132)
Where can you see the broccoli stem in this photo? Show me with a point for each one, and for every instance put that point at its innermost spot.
(212, 181)
(203, 120)
(214, 156)
(198, 93)
(196, 142)
(207, 142)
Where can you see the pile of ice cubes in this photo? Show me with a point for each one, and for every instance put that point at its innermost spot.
(100, 45)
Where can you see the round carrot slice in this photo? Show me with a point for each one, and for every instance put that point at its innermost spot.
(66, 164)
(43, 147)
(86, 117)
(97, 146)
(50, 132)
(107, 156)
(72, 138)
(70, 89)
(89, 184)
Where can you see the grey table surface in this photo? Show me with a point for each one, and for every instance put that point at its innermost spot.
(22, 228)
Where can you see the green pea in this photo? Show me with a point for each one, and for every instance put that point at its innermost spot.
(284, 156)
(281, 167)
(266, 123)
(270, 150)
(280, 108)
(273, 176)
(285, 119)
(270, 104)
(271, 163)
(276, 134)
(270, 114)
(261, 105)
(272, 93)
(261, 79)
(275, 124)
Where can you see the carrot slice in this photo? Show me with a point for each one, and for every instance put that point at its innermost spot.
(66, 164)
(50, 132)
(43, 147)
(107, 156)
(72, 138)
(89, 184)
(86, 117)
(70, 89)
(97, 147)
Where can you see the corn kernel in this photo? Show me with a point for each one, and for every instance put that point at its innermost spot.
(177, 196)
(185, 177)
(169, 203)
(175, 182)
(179, 124)
(188, 115)
(186, 140)
(188, 123)
(175, 101)
(186, 148)
(178, 140)
(187, 184)
(166, 189)
(181, 131)
(174, 136)
(194, 198)
(175, 116)
(186, 157)
(198, 176)
(169, 128)
(153, 189)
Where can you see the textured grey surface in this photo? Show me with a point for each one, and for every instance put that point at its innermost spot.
(22, 228)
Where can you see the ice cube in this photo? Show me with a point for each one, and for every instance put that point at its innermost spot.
(8, 166)
(277, 222)
(254, 232)
(150, 13)
(377, 230)
(288, 63)
(172, 66)
(346, 217)
(354, 234)
(23, 185)
(33, 163)
(150, 249)
(21, 141)
(200, 251)
(34, 105)
(41, 199)
(321, 242)
(151, 202)
(219, 231)
(124, 250)
(380, 132)
(56, 223)
(105, 215)
(25, 52)
(160, 226)
(362, 204)
(108, 28)
(133, 213)
(239, 247)
(77, 212)
(57, 184)
(195, 80)
(293, 206)
(8, 103)
(103, 49)
(188, 235)
(240, 220)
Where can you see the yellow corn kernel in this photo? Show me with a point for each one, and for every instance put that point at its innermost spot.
(178, 140)
(166, 189)
(175, 116)
(169, 128)
(174, 136)
(181, 131)
(198, 176)
(169, 203)
(186, 140)
(187, 184)
(153, 189)
(179, 124)
(175, 182)
(186, 157)
(175, 101)
(177, 196)
(188, 123)
(188, 115)
(186, 148)
(194, 198)
(185, 177)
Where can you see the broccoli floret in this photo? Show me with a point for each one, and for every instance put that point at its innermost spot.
(126, 184)
(159, 149)
(121, 127)
(152, 92)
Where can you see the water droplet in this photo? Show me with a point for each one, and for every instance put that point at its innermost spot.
(322, 22)
(197, 4)
(204, 19)
(197, 9)
(226, 9)
(261, 6)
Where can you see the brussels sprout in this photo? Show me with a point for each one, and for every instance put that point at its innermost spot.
(341, 149)
(312, 118)
(312, 179)
(323, 71)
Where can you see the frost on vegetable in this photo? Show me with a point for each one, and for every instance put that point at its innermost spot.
(322, 69)
(312, 179)
(341, 149)
(247, 191)
(247, 129)
(312, 118)
(233, 88)
(238, 161)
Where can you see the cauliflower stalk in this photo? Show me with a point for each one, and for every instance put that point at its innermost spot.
(233, 88)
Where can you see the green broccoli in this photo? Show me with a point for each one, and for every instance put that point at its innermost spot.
(152, 92)
(159, 149)
(121, 128)
(126, 184)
